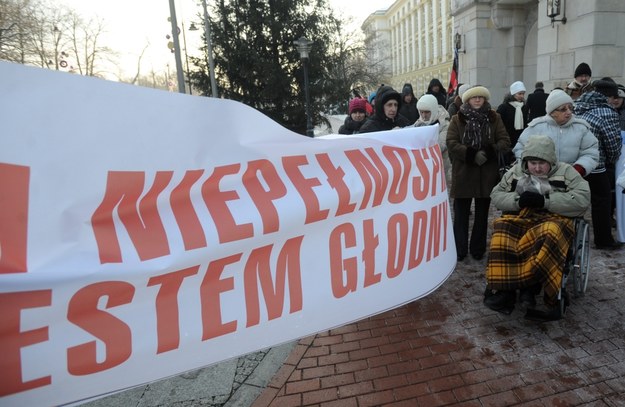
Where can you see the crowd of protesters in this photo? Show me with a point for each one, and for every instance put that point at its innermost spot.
(567, 142)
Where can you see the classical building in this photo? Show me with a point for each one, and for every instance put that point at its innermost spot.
(502, 41)
(414, 39)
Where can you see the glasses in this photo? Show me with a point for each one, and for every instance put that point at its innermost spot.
(564, 109)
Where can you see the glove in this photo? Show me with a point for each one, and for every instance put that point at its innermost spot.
(531, 200)
(480, 157)
(579, 169)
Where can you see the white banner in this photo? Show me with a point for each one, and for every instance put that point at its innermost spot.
(146, 233)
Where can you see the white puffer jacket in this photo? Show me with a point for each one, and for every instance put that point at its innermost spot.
(575, 143)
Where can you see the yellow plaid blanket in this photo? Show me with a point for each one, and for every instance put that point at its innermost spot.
(529, 248)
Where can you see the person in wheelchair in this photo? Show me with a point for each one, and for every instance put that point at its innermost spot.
(539, 197)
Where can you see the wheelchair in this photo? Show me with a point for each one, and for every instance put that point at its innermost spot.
(577, 264)
(575, 272)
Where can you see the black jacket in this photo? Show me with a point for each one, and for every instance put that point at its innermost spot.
(350, 126)
(536, 102)
(507, 113)
(409, 110)
(441, 95)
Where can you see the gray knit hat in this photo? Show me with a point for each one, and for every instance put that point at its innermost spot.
(557, 98)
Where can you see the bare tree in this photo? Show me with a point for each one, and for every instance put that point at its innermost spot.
(36, 32)
(17, 23)
(84, 45)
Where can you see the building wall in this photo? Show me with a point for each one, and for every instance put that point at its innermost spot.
(378, 43)
(503, 41)
(509, 40)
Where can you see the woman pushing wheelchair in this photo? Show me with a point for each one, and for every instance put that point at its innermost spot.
(539, 197)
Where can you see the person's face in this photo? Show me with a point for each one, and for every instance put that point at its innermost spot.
(436, 88)
(583, 79)
(616, 102)
(426, 115)
(538, 167)
(519, 96)
(358, 115)
(476, 102)
(390, 108)
(562, 114)
(408, 98)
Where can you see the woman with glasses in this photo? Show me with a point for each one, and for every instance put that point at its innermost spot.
(575, 143)
(475, 136)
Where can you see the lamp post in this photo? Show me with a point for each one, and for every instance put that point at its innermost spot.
(186, 57)
(209, 51)
(303, 47)
(174, 33)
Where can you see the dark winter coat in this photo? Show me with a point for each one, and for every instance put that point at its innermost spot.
(536, 102)
(507, 113)
(454, 106)
(469, 180)
(441, 95)
(379, 121)
(409, 110)
(350, 126)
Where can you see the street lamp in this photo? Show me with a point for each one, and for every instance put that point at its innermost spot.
(186, 57)
(209, 50)
(303, 47)
(174, 33)
(553, 11)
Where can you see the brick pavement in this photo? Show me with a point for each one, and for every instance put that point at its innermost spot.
(448, 349)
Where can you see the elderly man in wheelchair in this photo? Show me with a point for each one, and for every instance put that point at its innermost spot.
(539, 198)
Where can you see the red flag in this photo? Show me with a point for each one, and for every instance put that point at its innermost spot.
(453, 78)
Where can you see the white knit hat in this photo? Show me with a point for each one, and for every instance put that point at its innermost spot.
(428, 103)
(475, 91)
(557, 98)
(463, 88)
(517, 87)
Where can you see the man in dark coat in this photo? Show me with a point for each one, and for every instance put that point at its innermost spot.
(536, 102)
(386, 113)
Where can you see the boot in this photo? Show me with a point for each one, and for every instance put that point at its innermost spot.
(553, 312)
(550, 314)
(527, 298)
(501, 301)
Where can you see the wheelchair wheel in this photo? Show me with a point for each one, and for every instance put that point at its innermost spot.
(582, 259)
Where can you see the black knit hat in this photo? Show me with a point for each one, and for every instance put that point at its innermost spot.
(605, 87)
(582, 69)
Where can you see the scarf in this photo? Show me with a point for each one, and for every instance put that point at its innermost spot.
(518, 115)
(477, 125)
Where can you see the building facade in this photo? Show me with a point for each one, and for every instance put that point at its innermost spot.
(414, 39)
(502, 41)
(509, 40)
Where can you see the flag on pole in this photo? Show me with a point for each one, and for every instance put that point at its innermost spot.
(453, 78)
